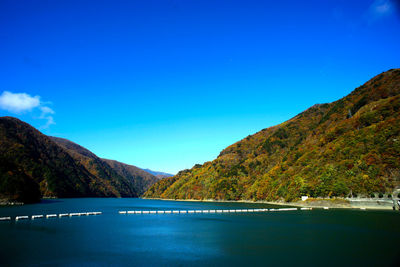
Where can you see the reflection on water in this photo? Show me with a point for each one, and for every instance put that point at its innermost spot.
(317, 237)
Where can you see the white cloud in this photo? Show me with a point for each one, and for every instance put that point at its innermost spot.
(21, 102)
(18, 103)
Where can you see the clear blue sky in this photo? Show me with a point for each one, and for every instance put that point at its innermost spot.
(167, 84)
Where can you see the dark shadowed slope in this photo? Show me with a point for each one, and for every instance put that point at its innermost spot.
(33, 165)
(98, 168)
(348, 147)
(129, 175)
(141, 179)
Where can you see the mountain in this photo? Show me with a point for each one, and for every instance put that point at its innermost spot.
(104, 169)
(160, 175)
(142, 180)
(139, 179)
(33, 165)
(346, 148)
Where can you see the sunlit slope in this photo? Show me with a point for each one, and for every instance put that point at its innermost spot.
(348, 147)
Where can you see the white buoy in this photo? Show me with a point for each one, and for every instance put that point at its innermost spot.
(122, 212)
(5, 218)
(206, 211)
(362, 208)
(305, 208)
(219, 211)
(212, 211)
(287, 209)
(36, 216)
(51, 216)
(145, 212)
(326, 208)
(226, 211)
(175, 211)
(21, 218)
(160, 212)
(168, 211)
(62, 215)
(183, 211)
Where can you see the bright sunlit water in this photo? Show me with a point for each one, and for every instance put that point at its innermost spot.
(319, 237)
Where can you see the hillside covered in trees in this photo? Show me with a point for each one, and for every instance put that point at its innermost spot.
(33, 165)
(142, 180)
(346, 148)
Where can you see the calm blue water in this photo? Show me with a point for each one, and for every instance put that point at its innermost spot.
(317, 237)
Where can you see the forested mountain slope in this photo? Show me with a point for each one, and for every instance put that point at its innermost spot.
(348, 147)
(118, 184)
(33, 165)
(141, 179)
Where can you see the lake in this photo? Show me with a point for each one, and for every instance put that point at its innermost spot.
(312, 237)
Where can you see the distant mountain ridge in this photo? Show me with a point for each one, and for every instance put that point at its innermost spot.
(345, 148)
(139, 179)
(142, 180)
(33, 165)
(159, 174)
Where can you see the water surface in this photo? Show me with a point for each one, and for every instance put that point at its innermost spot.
(318, 237)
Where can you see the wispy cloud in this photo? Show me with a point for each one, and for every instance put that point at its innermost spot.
(19, 103)
(47, 114)
(381, 8)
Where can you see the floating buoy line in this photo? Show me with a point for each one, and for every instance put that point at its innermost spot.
(49, 216)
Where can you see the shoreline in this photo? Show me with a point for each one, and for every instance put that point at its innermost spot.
(337, 203)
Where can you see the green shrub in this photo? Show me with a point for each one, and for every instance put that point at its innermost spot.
(380, 195)
(372, 195)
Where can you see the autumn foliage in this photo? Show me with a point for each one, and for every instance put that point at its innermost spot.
(345, 148)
